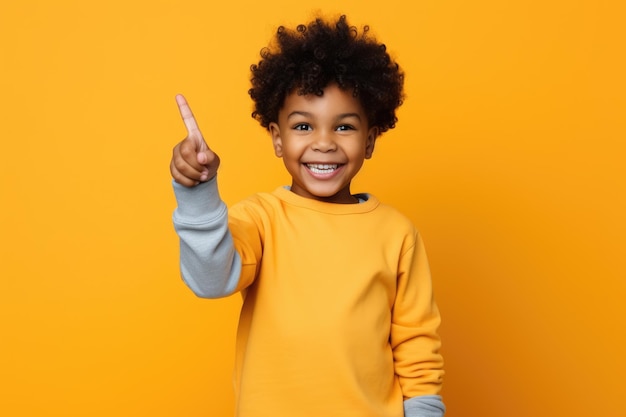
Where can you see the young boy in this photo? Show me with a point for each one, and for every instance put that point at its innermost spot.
(338, 317)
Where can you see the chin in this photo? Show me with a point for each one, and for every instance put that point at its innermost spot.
(322, 193)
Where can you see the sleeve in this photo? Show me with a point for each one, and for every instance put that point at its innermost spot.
(414, 334)
(424, 406)
(209, 263)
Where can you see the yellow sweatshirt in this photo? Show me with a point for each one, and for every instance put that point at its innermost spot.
(338, 317)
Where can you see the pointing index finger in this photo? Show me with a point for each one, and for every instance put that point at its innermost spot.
(187, 115)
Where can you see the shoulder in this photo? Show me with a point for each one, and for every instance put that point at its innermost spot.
(396, 226)
(393, 215)
(259, 200)
(260, 206)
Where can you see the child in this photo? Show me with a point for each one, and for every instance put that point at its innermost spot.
(338, 317)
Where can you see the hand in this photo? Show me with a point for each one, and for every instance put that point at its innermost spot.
(192, 160)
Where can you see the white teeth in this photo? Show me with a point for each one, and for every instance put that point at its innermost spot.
(322, 168)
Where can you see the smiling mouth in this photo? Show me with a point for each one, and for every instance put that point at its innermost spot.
(322, 168)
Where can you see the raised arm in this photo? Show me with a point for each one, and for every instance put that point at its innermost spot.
(209, 263)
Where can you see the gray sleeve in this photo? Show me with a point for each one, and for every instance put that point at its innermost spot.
(424, 406)
(209, 263)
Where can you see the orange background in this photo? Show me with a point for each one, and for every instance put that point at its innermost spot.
(509, 156)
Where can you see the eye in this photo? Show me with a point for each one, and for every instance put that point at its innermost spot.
(344, 127)
(302, 126)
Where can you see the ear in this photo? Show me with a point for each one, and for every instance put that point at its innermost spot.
(372, 135)
(276, 139)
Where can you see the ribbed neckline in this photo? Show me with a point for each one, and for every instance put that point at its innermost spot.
(331, 208)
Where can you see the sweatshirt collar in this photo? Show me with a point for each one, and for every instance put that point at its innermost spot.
(285, 195)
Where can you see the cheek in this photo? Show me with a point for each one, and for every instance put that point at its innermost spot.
(357, 149)
(291, 151)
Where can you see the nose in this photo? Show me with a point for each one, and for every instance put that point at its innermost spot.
(324, 142)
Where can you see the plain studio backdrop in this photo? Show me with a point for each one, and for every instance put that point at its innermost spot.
(508, 156)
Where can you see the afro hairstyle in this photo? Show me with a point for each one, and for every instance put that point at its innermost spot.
(311, 57)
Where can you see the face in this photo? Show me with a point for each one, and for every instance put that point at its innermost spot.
(323, 141)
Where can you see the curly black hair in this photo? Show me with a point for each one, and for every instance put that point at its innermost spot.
(312, 56)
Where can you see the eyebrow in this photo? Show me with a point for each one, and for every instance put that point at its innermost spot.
(307, 114)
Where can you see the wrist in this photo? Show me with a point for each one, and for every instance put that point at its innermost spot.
(199, 201)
